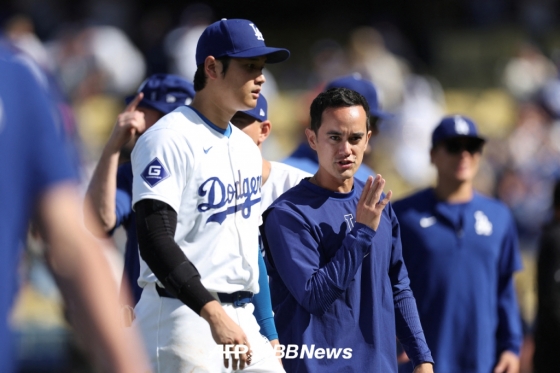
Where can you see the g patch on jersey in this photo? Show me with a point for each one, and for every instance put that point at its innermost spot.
(154, 173)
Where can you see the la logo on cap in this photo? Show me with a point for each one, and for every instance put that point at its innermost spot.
(261, 113)
(258, 34)
(461, 126)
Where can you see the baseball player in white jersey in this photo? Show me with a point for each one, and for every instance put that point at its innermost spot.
(276, 177)
(196, 193)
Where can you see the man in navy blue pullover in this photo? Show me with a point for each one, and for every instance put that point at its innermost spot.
(339, 287)
(461, 251)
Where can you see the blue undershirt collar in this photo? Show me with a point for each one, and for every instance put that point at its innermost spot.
(226, 132)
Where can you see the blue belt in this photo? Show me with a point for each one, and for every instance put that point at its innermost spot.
(238, 299)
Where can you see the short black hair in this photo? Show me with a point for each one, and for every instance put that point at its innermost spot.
(199, 80)
(335, 98)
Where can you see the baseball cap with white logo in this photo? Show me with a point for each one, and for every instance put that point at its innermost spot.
(454, 126)
(259, 112)
(237, 38)
(164, 93)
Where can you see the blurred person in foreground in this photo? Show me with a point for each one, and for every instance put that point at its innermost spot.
(305, 158)
(339, 284)
(461, 252)
(43, 183)
(110, 188)
(547, 329)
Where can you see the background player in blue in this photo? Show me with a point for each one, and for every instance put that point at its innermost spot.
(305, 158)
(461, 251)
(110, 188)
(196, 193)
(41, 179)
(337, 277)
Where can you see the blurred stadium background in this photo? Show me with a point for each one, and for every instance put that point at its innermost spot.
(494, 60)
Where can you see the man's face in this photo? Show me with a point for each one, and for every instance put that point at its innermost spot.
(243, 81)
(340, 143)
(457, 159)
(247, 124)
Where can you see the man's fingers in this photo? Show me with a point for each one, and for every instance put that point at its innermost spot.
(365, 191)
(134, 103)
(387, 198)
(376, 190)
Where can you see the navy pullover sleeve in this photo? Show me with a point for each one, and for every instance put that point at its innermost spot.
(263, 305)
(301, 264)
(509, 334)
(407, 320)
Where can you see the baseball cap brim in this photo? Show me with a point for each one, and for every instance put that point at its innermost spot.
(381, 114)
(481, 140)
(273, 55)
(158, 106)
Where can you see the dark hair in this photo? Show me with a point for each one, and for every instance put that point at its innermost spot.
(335, 98)
(199, 80)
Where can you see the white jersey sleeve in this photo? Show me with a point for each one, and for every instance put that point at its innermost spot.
(161, 161)
(282, 177)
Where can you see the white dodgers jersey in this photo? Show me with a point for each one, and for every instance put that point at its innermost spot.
(212, 179)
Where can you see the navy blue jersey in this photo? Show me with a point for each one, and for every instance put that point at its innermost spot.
(461, 258)
(305, 158)
(127, 218)
(33, 158)
(338, 285)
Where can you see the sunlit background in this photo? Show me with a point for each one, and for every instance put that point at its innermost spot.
(493, 60)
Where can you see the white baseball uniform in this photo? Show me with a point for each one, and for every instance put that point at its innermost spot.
(282, 177)
(212, 179)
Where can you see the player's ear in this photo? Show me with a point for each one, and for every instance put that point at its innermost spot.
(211, 67)
(265, 126)
(311, 138)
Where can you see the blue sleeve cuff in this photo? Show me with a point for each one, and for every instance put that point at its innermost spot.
(263, 304)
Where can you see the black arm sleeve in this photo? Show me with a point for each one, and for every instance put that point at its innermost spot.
(156, 222)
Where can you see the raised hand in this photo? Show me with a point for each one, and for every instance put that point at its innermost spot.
(130, 123)
(369, 207)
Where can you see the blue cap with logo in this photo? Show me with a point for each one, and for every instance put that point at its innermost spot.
(364, 87)
(454, 126)
(237, 38)
(259, 112)
(164, 93)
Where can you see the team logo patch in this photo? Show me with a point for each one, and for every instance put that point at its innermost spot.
(258, 34)
(261, 113)
(461, 126)
(154, 173)
(349, 221)
(427, 221)
(482, 225)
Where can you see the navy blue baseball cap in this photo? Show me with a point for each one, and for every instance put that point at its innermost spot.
(259, 112)
(454, 126)
(164, 93)
(364, 87)
(237, 38)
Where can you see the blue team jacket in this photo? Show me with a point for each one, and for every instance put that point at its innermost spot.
(460, 260)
